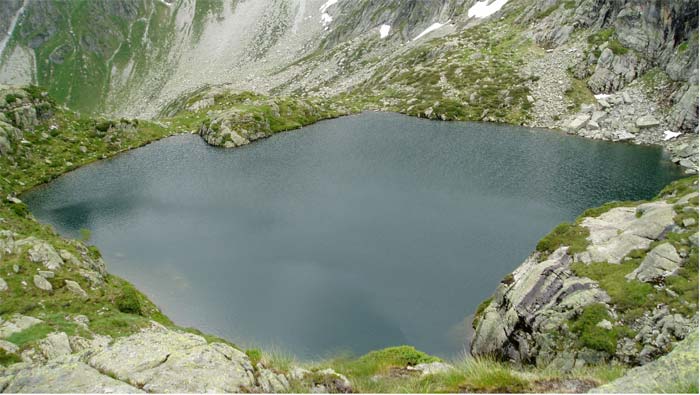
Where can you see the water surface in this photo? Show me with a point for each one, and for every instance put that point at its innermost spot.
(349, 235)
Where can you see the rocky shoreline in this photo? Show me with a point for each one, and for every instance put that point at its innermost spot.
(604, 289)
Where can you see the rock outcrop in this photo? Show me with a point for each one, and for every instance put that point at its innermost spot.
(238, 119)
(675, 372)
(568, 308)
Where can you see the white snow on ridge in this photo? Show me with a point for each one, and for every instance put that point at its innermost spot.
(430, 28)
(328, 4)
(326, 20)
(482, 9)
(384, 30)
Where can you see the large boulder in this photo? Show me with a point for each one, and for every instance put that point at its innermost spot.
(660, 262)
(162, 360)
(62, 375)
(41, 252)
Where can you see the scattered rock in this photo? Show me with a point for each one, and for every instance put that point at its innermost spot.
(297, 373)
(54, 345)
(17, 323)
(605, 324)
(3, 285)
(675, 372)
(9, 348)
(578, 122)
(42, 252)
(647, 121)
(660, 262)
(46, 274)
(271, 382)
(42, 283)
(331, 382)
(75, 288)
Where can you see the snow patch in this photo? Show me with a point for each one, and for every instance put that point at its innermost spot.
(325, 7)
(430, 28)
(326, 20)
(669, 135)
(602, 96)
(384, 30)
(482, 9)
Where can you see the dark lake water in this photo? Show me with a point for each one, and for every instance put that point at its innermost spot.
(349, 235)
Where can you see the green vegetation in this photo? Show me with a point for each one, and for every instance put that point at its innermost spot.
(7, 359)
(250, 114)
(593, 336)
(30, 335)
(42, 159)
(677, 189)
(449, 81)
(385, 372)
(655, 78)
(565, 234)
(129, 301)
(85, 235)
(607, 36)
(480, 312)
(597, 211)
(579, 93)
(601, 36)
(255, 356)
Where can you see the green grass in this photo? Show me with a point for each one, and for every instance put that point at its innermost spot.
(255, 355)
(597, 211)
(591, 335)
(480, 375)
(480, 312)
(7, 359)
(579, 93)
(30, 334)
(654, 78)
(565, 234)
(601, 36)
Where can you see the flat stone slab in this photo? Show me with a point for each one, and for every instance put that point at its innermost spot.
(60, 376)
(160, 360)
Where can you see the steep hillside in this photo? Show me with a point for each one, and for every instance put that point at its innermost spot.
(603, 69)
